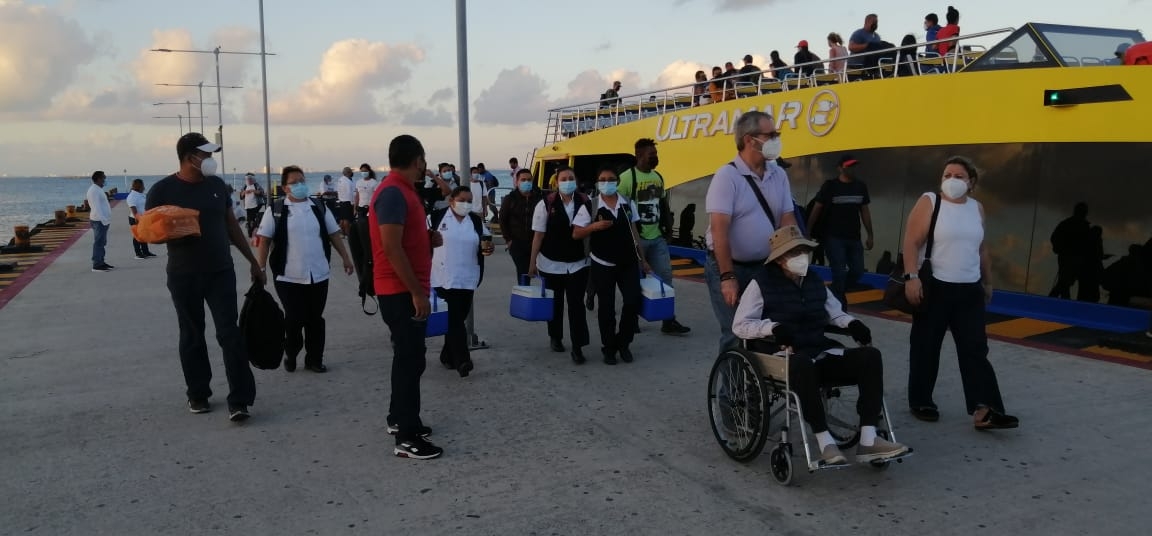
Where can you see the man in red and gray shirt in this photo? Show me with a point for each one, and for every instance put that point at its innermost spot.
(402, 255)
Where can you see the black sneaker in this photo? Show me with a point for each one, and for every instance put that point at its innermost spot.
(672, 327)
(626, 355)
(417, 449)
(424, 430)
(101, 268)
(149, 255)
(238, 413)
(557, 345)
(609, 356)
(199, 406)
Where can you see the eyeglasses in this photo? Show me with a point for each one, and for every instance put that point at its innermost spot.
(771, 135)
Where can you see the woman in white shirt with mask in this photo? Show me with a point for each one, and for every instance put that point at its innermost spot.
(298, 236)
(457, 268)
(952, 298)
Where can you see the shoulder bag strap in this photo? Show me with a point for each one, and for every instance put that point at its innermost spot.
(932, 229)
(759, 196)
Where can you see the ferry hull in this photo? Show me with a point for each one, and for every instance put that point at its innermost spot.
(1038, 161)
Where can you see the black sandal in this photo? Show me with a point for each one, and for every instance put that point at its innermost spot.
(925, 413)
(994, 420)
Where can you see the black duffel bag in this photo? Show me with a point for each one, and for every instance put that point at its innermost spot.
(262, 326)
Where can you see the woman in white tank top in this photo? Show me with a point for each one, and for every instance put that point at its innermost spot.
(952, 299)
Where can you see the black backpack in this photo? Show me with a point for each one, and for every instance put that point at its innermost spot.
(360, 247)
(262, 326)
(437, 216)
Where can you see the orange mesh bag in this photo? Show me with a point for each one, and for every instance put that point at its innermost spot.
(165, 223)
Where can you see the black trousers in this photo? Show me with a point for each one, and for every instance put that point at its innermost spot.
(189, 294)
(251, 219)
(958, 307)
(141, 248)
(344, 211)
(304, 319)
(570, 287)
(408, 363)
(861, 367)
(521, 253)
(455, 351)
(605, 280)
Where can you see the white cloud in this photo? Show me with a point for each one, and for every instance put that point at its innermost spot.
(342, 91)
(428, 117)
(518, 96)
(442, 95)
(40, 54)
(680, 72)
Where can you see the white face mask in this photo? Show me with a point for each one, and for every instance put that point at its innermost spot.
(771, 149)
(798, 265)
(462, 208)
(208, 166)
(954, 188)
(363, 175)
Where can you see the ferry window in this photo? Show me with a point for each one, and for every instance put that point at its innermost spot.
(1020, 50)
(1075, 43)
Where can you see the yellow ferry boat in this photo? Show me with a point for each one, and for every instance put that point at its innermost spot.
(1047, 112)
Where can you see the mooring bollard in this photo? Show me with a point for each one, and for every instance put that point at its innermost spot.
(23, 237)
(61, 217)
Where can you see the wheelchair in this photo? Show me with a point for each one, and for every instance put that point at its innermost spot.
(749, 400)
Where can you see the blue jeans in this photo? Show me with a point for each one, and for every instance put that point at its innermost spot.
(99, 240)
(725, 314)
(846, 259)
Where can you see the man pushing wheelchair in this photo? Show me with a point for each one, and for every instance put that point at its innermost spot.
(788, 305)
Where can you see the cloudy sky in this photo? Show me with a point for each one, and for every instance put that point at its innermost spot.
(77, 80)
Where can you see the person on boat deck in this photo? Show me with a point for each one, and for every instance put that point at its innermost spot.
(803, 55)
(516, 219)
(867, 40)
(738, 221)
(700, 89)
(611, 96)
(779, 68)
(299, 235)
(931, 29)
(952, 29)
(1121, 49)
(789, 302)
(720, 90)
(951, 295)
(457, 268)
(560, 260)
(616, 262)
(836, 53)
(751, 72)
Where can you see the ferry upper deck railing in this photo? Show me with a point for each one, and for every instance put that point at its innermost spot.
(576, 119)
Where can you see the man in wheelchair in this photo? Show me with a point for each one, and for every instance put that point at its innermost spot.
(787, 305)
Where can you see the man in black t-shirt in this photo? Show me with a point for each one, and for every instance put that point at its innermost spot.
(200, 271)
(841, 206)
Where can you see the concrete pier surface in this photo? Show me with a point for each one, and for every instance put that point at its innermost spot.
(96, 437)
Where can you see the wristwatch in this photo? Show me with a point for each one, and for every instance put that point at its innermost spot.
(908, 277)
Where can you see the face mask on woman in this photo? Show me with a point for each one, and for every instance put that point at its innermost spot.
(525, 186)
(567, 187)
(298, 190)
(363, 175)
(462, 208)
(607, 187)
(954, 188)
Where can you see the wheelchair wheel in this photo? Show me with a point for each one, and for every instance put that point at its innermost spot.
(843, 419)
(737, 406)
(781, 461)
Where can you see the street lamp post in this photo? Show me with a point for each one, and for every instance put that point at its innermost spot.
(474, 340)
(200, 86)
(216, 52)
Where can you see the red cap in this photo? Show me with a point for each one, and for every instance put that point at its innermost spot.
(803, 43)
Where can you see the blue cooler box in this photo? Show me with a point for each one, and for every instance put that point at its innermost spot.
(657, 300)
(438, 320)
(530, 302)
